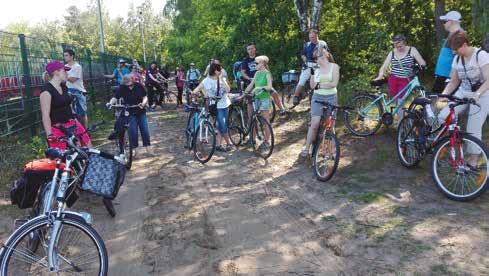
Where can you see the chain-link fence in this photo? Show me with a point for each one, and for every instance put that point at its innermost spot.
(22, 62)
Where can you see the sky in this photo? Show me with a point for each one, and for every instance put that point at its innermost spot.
(35, 11)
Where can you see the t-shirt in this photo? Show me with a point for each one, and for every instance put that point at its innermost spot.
(328, 77)
(444, 61)
(473, 68)
(132, 96)
(210, 88)
(249, 65)
(193, 74)
(154, 73)
(260, 82)
(136, 76)
(309, 48)
(120, 73)
(61, 111)
(76, 72)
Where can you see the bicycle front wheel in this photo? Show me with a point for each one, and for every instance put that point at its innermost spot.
(262, 135)
(408, 146)
(460, 171)
(124, 147)
(80, 250)
(366, 117)
(326, 156)
(236, 135)
(204, 142)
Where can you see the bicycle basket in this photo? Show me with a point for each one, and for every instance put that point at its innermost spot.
(24, 190)
(290, 77)
(103, 176)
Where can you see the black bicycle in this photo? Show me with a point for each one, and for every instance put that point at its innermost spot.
(120, 135)
(258, 129)
(199, 133)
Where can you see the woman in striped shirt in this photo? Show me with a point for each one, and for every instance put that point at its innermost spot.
(401, 61)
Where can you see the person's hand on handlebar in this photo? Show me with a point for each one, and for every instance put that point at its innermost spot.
(52, 138)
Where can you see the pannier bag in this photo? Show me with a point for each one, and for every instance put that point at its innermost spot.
(24, 191)
(103, 176)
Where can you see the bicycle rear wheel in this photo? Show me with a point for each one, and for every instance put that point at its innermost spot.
(273, 111)
(408, 146)
(80, 250)
(366, 117)
(236, 135)
(287, 96)
(326, 156)
(460, 171)
(260, 130)
(204, 142)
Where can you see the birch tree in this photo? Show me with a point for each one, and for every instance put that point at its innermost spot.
(309, 14)
(480, 11)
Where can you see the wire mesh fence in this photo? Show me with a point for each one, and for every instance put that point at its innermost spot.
(22, 62)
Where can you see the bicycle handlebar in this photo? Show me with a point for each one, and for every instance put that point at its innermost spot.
(459, 101)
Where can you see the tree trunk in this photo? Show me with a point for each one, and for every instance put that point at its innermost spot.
(439, 11)
(317, 7)
(480, 15)
(309, 15)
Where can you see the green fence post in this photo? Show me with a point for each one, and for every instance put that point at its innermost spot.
(26, 80)
(90, 76)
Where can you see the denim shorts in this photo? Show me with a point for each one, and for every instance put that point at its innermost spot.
(263, 104)
(316, 108)
(80, 102)
(222, 120)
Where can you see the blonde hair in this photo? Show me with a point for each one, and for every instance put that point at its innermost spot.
(263, 59)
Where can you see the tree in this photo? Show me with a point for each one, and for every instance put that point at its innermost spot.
(309, 13)
(480, 12)
(439, 11)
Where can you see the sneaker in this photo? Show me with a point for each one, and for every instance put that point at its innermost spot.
(134, 152)
(228, 148)
(220, 149)
(283, 113)
(112, 135)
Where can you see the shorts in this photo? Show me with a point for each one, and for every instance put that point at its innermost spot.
(79, 103)
(79, 129)
(222, 120)
(304, 77)
(262, 104)
(397, 84)
(316, 108)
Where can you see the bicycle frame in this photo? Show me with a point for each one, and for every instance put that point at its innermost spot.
(405, 93)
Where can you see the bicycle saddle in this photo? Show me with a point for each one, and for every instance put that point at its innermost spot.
(378, 83)
(422, 101)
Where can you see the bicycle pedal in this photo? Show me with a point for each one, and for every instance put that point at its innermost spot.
(19, 222)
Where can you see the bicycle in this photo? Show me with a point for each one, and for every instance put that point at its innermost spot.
(49, 233)
(199, 133)
(120, 136)
(189, 87)
(326, 147)
(240, 91)
(290, 79)
(370, 109)
(256, 127)
(166, 95)
(456, 177)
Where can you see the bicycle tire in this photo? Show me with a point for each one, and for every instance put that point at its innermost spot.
(273, 110)
(109, 206)
(204, 159)
(235, 116)
(441, 185)
(407, 161)
(317, 154)
(287, 98)
(350, 114)
(259, 131)
(235, 135)
(171, 96)
(124, 146)
(42, 222)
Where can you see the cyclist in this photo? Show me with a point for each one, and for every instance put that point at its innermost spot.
(324, 81)
(216, 88)
(180, 82)
(248, 70)
(119, 72)
(75, 86)
(261, 85)
(193, 76)
(56, 112)
(155, 91)
(133, 93)
(309, 62)
(136, 76)
(451, 23)
(469, 78)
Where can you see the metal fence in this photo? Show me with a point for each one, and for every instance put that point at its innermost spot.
(22, 62)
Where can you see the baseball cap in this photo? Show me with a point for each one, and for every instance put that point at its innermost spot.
(451, 15)
(122, 61)
(192, 64)
(55, 65)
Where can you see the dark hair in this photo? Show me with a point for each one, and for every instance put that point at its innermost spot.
(251, 44)
(458, 39)
(154, 62)
(70, 52)
(399, 38)
(213, 68)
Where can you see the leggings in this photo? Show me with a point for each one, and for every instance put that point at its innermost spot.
(477, 116)
(179, 96)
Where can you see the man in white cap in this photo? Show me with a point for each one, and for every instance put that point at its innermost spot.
(451, 23)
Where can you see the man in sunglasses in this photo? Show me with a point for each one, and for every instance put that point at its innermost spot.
(451, 23)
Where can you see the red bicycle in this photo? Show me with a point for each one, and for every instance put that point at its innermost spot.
(460, 160)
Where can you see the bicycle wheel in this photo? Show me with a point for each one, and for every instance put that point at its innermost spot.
(459, 175)
(80, 250)
(259, 131)
(109, 206)
(326, 156)
(235, 116)
(287, 96)
(124, 147)
(204, 142)
(236, 135)
(366, 117)
(273, 111)
(408, 146)
(171, 97)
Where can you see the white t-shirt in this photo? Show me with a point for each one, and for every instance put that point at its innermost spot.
(210, 87)
(474, 71)
(76, 72)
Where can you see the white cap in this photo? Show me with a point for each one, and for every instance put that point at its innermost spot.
(452, 15)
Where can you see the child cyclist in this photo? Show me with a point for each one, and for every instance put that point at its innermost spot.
(261, 85)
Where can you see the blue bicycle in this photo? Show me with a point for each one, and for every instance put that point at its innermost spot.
(370, 110)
